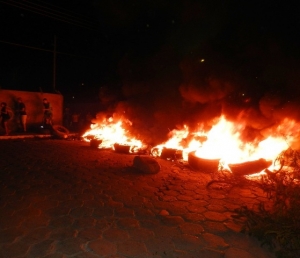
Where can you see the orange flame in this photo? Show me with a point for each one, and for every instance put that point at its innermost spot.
(111, 132)
(223, 141)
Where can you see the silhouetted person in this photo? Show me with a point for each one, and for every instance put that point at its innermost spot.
(75, 121)
(47, 112)
(67, 118)
(22, 114)
(5, 116)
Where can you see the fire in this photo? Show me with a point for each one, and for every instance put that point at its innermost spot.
(181, 140)
(223, 141)
(111, 132)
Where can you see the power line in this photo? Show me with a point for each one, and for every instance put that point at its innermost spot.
(43, 49)
(58, 7)
(56, 15)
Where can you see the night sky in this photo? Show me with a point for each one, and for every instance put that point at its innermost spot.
(164, 61)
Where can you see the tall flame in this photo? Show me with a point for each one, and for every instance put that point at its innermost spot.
(223, 141)
(111, 132)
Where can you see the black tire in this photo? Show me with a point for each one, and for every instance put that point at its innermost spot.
(203, 165)
(60, 131)
(121, 148)
(249, 167)
(95, 143)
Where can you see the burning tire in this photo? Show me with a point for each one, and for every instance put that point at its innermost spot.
(171, 154)
(121, 148)
(94, 143)
(60, 131)
(203, 165)
(250, 167)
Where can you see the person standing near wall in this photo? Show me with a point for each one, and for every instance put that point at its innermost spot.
(67, 118)
(75, 121)
(47, 112)
(5, 116)
(22, 114)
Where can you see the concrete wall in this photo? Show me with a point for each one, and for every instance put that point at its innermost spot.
(34, 107)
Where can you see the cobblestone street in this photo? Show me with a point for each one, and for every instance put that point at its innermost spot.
(62, 198)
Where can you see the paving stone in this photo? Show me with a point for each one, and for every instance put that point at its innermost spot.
(214, 216)
(9, 235)
(54, 255)
(144, 213)
(199, 203)
(216, 195)
(15, 220)
(160, 247)
(188, 242)
(215, 207)
(194, 217)
(231, 206)
(246, 193)
(81, 212)
(102, 247)
(176, 209)
(214, 241)
(70, 246)
(35, 221)
(148, 255)
(182, 197)
(7, 191)
(20, 205)
(86, 196)
(33, 199)
(112, 203)
(140, 234)
(191, 228)
(104, 223)
(196, 209)
(42, 248)
(60, 234)
(214, 226)
(234, 226)
(166, 232)
(128, 223)
(235, 252)
(146, 191)
(84, 222)
(211, 253)
(71, 202)
(58, 211)
(93, 204)
(62, 222)
(190, 185)
(103, 212)
(172, 220)
(149, 223)
(15, 249)
(115, 235)
(90, 233)
(85, 255)
(132, 203)
(131, 248)
(124, 212)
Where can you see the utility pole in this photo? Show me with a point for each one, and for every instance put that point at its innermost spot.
(54, 65)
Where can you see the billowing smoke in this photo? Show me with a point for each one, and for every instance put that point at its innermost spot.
(195, 94)
(202, 67)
